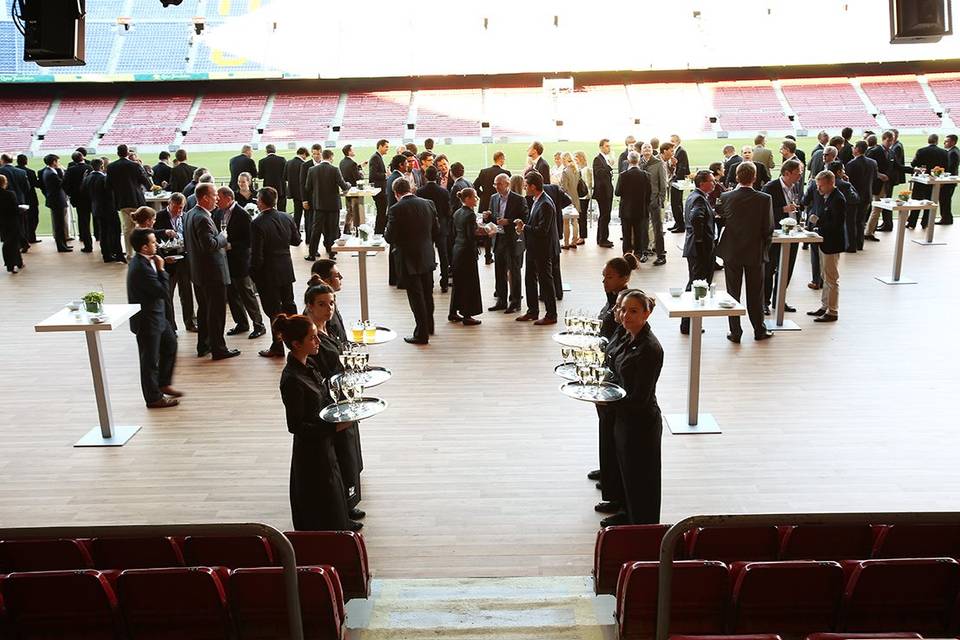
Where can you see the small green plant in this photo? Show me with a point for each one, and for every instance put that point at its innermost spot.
(93, 301)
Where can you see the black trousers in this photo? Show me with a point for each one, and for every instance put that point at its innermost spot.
(444, 255)
(211, 317)
(380, 200)
(110, 244)
(699, 267)
(946, 203)
(816, 274)
(58, 219)
(158, 353)
(10, 236)
(83, 222)
(582, 220)
(317, 496)
(308, 217)
(419, 287)
(611, 479)
(242, 299)
(179, 281)
(298, 213)
(276, 299)
(863, 214)
(631, 234)
(32, 222)
(557, 276)
(326, 224)
(540, 274)
(920, 192)
(282, 204)
(506, 269)
(605, 204)
(676, 208)
(738, 275)
(773, 266)
(637, 444)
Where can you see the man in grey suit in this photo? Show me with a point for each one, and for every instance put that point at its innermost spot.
(657, 170)
(209, 272)
(506, 208)
(744, 245)
(862, 172)
(321, 194)
(762, 155)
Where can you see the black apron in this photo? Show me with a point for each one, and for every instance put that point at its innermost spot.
(465, 297)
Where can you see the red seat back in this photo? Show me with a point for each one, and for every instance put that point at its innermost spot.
(754, 544)
(344, 550)
(257, 599)
(43, 555)
(918, 541)
(159, 604)
(787, 597)
(232, 552)
(620, 544)
(699, 599)
(827, 542)
(135, 553)
(61, 604)
(902, 594)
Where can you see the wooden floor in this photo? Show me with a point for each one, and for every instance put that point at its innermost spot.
(478, 466)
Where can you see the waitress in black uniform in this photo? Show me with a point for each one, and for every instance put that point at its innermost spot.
(317, 497)
(638, 426)
(465, 301)
(320, 303)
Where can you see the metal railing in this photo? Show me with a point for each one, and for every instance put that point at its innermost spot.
(279, 541)
(667, 546)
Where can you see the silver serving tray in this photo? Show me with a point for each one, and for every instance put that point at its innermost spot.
(372, 377)
(568, 371)
(352, 411)
(602, 393)
(383, 335)
(583, 341)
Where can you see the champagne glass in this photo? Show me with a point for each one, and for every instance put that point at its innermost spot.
(567, 353)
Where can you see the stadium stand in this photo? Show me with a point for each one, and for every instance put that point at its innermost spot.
(99, 45)
(77, 121)
(148, 120)
(226, 118)
(902, 102)
(145, 44)
(373, 115)
(449, 113)
(22, 118)
(748, 107)
(10, 54)
(947, 91)
(822, 104)
(300, 116)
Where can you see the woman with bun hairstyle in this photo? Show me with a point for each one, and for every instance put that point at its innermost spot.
(317, 496)
(465, 300)
(325, 271)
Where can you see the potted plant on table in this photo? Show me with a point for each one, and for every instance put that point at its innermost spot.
(937, 172)
(700, 288)
(155, 189)
(787, 225)
(903, 195)
(364, 231)
(93, 302)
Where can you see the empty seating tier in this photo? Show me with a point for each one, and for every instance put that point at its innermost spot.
(148, 120)
(748, 107)
(902, 102)
(226, 118)
(369, 116)
(449, 113)
(822, 105)
(77, 121)
(300, 117)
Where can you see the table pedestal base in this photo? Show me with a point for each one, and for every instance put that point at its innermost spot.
(679, 423)
(94, 437)
(788, 325)
(924, 243)
(890, 280)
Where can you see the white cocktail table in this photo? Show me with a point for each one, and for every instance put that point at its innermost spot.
(686, 307)
(902, 209)
(107, 434)
(358, 202)
(361, 249)
(783, 276)
(936, 183)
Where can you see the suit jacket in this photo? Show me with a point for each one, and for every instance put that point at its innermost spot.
(851, 204)
(729, 169)
(832, 222)
(658, 179)
(484, 184)
(881, 157)
(953, 164)
(238, 236)
(100, 197)
(9, 214)
(271, 236)
(698, 218)
(747, 226)
(411, 228)
(127, 180)
(560, 202)
(846, 153)
(682, 169)
(350, 171)
(602, 177)
(53, 189)
(440, 198)
(539, 232)
(161, 173)
(898, 166)
(862, 172)
(73, 184)
(180, 175)
(33, 183)
(304, 169)
(543, 169)
(291, 176)
(931, 156)
(774, 189)
(271, 171)
(388, 187)
(762, 155)
(239, 164)
(17, 182)
(816, 163)
(633, 187)
(516, 208)
(378, 170)
(147, 287)
(455, 188)
(323, 186)
(801, 156)
(208, 257)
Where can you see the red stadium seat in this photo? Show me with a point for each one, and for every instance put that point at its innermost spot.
(160, 604)
(232, 552)
(786, 597)
(61, 604)
(620, 544)
(914, 595)
(43, 555)
(344, 550)
(755, 544)
(918, 541)
(827, 542)
(700, 593)
(751, 636)
(864, 636)
(135, 553)
(257, 599)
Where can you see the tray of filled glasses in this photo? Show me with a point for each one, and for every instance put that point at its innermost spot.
(369, 377)
(575, 358)
(354, 410)
(369, 333)
(580, 330)
(593, 391)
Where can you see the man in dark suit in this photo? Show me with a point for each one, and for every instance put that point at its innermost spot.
(862, 172)
(535, 153)
(953, 168)
(830, 222)
(730, 161)
(127, 180)
(291, 176)
(630, 145)
(309, 215)
(19, 185)
(156, 341)
(846, 151)
(898, 169)
(398, 165)
(560, 201)
(699, 235)
(56, 200)
(927, 158)
(440, 198)
(271, 171)
(104, 211)
(540, 235)
(271, 236)
(679, 169)
(209, 272)
(242, 163)
(32, 219)
(633, 187)
(852, 208)
(352, 173)
(234, 220)
(160, 172)
(785, 205)
(411, 227)
(378, 178)
(181, 173)
(744, 246)
(506, 208)
(485, 190)
(880, 153)
(72, 186)
(321, 195)
(603, 192)
(169, 225)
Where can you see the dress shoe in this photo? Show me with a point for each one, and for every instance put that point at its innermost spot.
(817, 313)
(525, 318)
(237, 330)
(910, 226)
(660, 261)
(443, 289)
(766, 309)
(270, 353)
(615, 519)
(766, 335)
(497, 307)
(310, 258)
(229, 353)
(415, 341)
(593, 475)
(608, 507)
(512, 309)
(121, 259)
(355, 526)
(258, 330)
(170, 391)
(86, 250)
(470, 322)
(734, 338)
(717, 266)
(108, 260)
(203, 353)
(581, 241)
(489, 259)
(163, 403)
(545, 321)
(643, 258)
(566, 246)
(885, 228)
(680, 230)
(599, 486)
(813, 285)
(36, 241)
(15, 269)
(454, 318)
(871, 238)
(788, 308)
(357, 514)
(827, 317)
(192, 328)
(943, 222)
(606, 244)
(65, 250)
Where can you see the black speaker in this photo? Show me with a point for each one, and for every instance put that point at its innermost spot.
(53, 31)
(920, 20)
